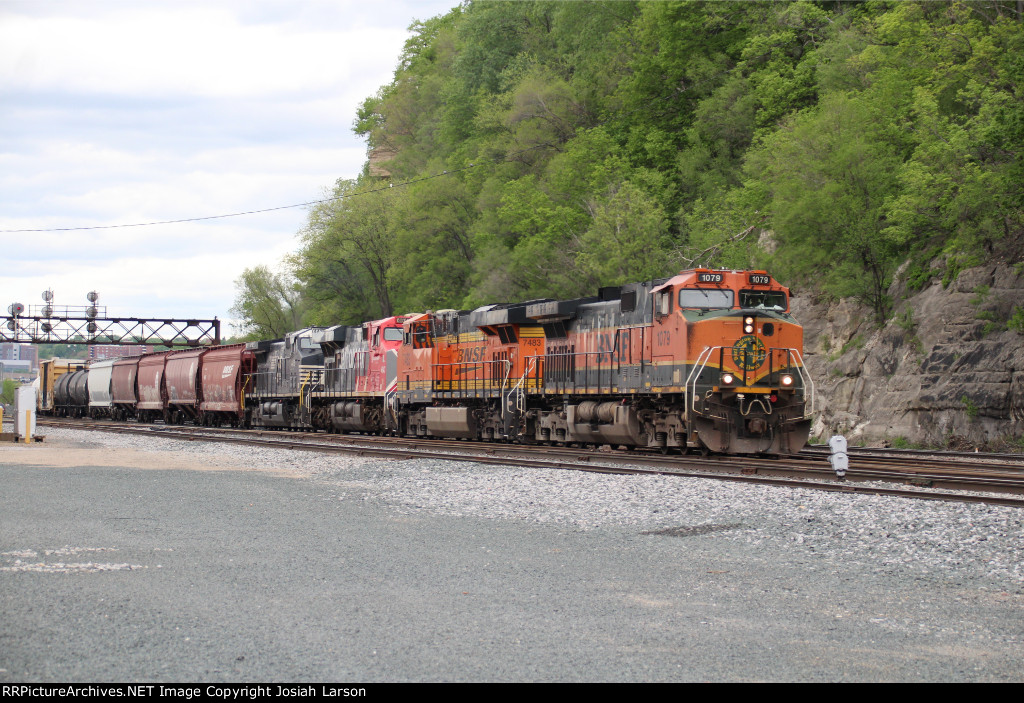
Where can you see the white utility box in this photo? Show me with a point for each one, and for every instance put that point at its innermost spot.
(25, 413)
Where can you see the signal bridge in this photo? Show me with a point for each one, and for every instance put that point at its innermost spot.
(50, 324)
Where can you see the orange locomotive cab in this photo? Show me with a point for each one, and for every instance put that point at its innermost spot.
(705, 359)
(743, 378)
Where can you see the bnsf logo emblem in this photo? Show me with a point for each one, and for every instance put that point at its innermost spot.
(748, 353)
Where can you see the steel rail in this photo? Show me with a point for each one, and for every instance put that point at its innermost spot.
(745, 470)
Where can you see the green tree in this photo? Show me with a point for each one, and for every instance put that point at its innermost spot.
(539, 148)
(828, 175)
(626, 240)
(9, 387)
(267, 305)
(347, 254)
(433, 245)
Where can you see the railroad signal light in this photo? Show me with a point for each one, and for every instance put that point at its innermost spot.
(838, 458)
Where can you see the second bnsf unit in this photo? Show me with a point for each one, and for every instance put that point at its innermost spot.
(707, 359)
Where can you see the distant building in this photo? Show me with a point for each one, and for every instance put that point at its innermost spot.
(25, 354)
(116, 351)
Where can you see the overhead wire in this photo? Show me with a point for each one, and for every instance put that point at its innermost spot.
(309, 203)
(508, 157)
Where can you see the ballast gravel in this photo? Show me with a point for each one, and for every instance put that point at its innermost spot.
(955, 543)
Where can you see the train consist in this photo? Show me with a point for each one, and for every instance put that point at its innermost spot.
(707, 360)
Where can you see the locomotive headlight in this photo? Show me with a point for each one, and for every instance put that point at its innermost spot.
(727, 379)
(748, 325)
(787, 380)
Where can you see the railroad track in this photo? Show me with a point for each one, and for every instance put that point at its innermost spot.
(946, 479)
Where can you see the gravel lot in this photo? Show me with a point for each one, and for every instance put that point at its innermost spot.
(952, 542)
(946, 578)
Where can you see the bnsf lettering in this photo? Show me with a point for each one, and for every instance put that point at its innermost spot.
(471, 355)
(608, 351)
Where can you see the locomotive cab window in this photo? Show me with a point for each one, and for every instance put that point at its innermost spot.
(392, 334)
(707, 298)
(763, 299)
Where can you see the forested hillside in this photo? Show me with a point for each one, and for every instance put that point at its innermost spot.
(536, 149)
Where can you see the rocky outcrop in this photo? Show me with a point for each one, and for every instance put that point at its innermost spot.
(948, 366)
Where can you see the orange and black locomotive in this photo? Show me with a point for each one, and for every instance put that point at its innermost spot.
(708, 360)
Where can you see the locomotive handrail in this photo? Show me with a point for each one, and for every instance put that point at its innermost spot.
(478, 383)
(808, 383)
(508, 372)
(569, 382)
(343, 381)
(531, 363)
(241, 392)
(617, 344)
(698, 369)
(390, 403)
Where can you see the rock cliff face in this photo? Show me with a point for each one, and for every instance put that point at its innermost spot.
(946, 371)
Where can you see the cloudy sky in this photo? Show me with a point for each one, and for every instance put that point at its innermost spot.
(121, 112)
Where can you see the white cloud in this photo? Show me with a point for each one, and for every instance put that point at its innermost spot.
(125, 112)
(195, 51)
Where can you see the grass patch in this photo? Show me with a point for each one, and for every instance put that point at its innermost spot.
(970, 408)
(1016, 321)
(906, 320)
(980, 295)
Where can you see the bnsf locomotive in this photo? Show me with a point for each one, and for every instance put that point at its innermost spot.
(707, 359)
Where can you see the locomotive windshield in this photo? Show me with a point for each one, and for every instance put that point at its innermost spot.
(765, 299)
(716, 298)
(392, 334)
